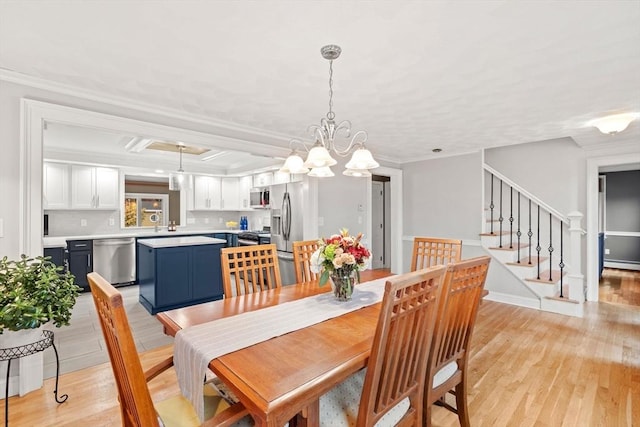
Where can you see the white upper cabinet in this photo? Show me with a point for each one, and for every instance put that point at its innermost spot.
(230, 193)
(55, 186)
(206, 193)
(263, 179)
(281, 177)
(94, 187)
(246, 182)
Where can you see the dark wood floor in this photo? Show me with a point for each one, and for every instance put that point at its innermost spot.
(620, 287)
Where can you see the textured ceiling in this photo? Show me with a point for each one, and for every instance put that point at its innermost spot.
(416, 75)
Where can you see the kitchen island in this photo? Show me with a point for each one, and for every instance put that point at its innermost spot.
(176, 272)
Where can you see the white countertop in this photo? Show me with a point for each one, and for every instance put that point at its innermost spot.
(172, 242)
(61, 241)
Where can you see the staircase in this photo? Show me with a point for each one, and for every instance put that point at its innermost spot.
(540, 246)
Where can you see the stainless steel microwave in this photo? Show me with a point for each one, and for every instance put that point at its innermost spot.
(259, 198)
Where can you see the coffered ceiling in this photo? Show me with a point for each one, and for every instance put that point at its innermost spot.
(416, 75)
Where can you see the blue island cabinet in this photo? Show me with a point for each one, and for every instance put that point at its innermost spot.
(179, 271)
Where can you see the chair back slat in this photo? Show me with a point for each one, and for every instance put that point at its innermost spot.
(249, 269)
(397, 366)
(135, 401)
(464, 283)
(430, 251)
(302, 251)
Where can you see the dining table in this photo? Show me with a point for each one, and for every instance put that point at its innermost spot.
(282, 379)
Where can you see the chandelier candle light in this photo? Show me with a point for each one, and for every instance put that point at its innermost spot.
(319, 160)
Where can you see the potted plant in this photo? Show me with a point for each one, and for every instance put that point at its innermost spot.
(34, 292)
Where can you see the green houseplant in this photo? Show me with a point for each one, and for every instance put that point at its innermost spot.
(34, 292)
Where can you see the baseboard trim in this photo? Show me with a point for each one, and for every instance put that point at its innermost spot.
(622, 265)
(513, 300)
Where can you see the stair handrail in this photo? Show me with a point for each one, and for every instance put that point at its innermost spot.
(527, 194)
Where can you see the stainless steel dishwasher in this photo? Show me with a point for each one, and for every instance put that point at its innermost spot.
(115, 260)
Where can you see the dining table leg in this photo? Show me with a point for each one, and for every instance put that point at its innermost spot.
(309, 417)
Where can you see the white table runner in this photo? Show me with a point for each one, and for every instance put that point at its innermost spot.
(196, 346)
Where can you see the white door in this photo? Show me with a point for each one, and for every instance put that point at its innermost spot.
(377, 224)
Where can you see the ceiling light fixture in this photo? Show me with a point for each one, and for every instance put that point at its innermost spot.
(319, 158)
(178, 180)
(614, 124)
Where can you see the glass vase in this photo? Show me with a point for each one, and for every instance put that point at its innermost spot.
(343, 283)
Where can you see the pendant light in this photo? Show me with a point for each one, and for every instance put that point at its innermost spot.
(179, 181)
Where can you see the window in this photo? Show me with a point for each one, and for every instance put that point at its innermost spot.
(145, 210)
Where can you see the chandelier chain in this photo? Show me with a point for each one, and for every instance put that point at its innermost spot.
(331, 115)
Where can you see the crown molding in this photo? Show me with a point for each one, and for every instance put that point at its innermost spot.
(254, 134)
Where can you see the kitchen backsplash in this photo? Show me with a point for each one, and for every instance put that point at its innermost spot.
(86, 222)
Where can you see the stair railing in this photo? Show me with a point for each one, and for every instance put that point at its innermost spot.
(560, 219)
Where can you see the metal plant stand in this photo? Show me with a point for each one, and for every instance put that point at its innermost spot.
(11, 353)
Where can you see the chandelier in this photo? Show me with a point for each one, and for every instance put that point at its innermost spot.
(319, 160)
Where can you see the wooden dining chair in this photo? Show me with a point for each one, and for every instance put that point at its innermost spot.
(302, 251)
(430, 251)
(136, 407)
(390, 390)
(448, 359)
(250, 269)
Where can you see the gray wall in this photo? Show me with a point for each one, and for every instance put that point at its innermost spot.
(443, 198)
(553, 171)
(623, 215)
(342, 203)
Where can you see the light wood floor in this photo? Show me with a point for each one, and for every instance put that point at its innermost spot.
(620, 286)
(528, 368)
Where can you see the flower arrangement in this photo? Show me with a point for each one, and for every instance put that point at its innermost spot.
(340, 254)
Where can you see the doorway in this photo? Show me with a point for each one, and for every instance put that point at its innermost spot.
(380, 221)
(594, 167)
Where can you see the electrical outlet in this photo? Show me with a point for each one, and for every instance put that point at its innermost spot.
(112, 222)
(607, 251)
(83, 222)
(359, 220)
(191, 220)
(206, 220)
(321, 221)
(220, 220)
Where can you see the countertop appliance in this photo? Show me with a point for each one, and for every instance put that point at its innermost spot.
(254, 237)
(286, 225)
(259, 198)
(115, 260)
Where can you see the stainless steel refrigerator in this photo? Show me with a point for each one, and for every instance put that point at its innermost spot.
(286, 224)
